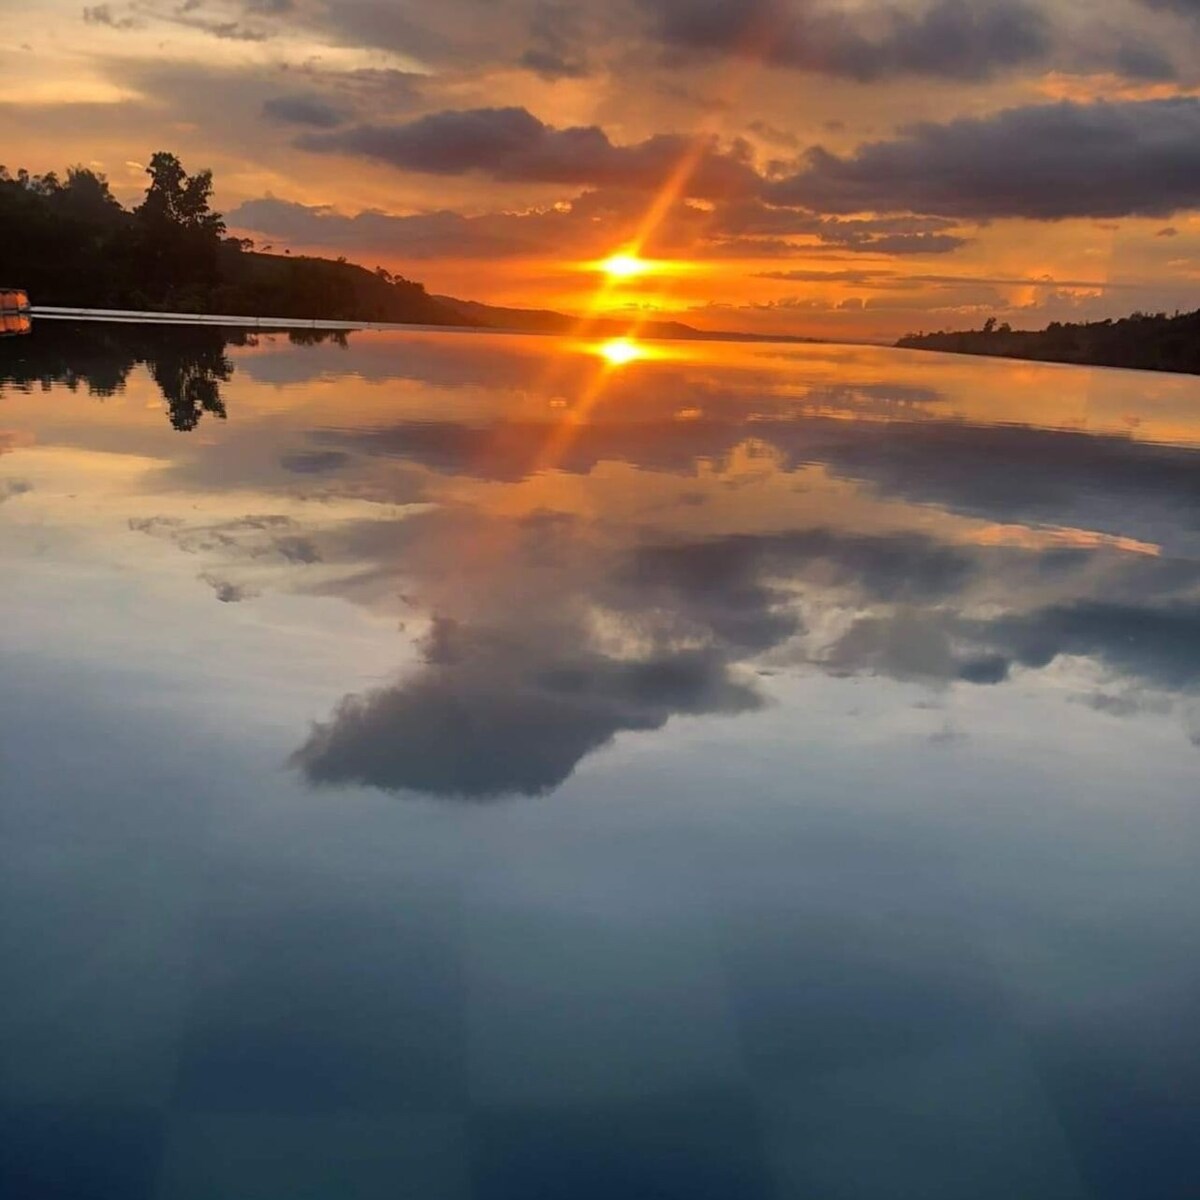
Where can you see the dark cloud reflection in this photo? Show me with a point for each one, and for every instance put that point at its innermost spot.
(491, 726)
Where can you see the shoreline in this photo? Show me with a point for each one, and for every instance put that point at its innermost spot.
(267, 324)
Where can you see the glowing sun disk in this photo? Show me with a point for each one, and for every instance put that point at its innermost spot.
(624, 266)
(620, 351)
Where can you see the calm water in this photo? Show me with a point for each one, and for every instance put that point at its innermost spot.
(459, 766)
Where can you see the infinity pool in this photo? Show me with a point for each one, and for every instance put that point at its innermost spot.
(499, 768)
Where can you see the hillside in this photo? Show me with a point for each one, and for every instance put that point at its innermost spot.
(71, 243)
(275, 285)
(544, 320)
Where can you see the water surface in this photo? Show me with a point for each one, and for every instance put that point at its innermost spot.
(450, 765)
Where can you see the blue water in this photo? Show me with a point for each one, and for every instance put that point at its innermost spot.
(448, 765)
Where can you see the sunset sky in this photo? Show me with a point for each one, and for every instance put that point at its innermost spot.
(853, 169)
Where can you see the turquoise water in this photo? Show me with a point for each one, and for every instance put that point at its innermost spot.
(449, 765)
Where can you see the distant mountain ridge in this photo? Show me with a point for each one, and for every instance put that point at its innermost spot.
(544, 320)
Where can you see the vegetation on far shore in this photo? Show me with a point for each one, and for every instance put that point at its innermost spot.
(69, 242)
(1146, 341)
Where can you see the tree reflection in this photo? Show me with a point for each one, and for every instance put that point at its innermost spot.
(187, 362)
(189, 373)
(318, 337)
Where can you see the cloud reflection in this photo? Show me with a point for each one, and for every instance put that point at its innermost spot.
(809, 516)
(514, 693)
(485, 717)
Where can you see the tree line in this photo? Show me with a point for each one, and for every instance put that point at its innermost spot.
(68, 241)
(1147, 341)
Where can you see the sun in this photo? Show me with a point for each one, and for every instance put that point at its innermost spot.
(624, 266)
(620, 351)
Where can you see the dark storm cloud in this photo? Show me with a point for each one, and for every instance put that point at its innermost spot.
(958, 40)
(557, 42)
(442, 234)
(512, 144)
(385, 25)
(552, 38)
(1140, 60)
(226, 92)
(551, 65)
(303, 110)
(879, 235)
(952, 39)
(1045, 162)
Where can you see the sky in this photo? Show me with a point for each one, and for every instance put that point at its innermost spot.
(856, 169)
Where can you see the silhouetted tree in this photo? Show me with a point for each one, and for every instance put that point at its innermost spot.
(86, 197)
(72, 244)
(178, 234)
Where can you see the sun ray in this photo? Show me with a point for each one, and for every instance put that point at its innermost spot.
(628, 260)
